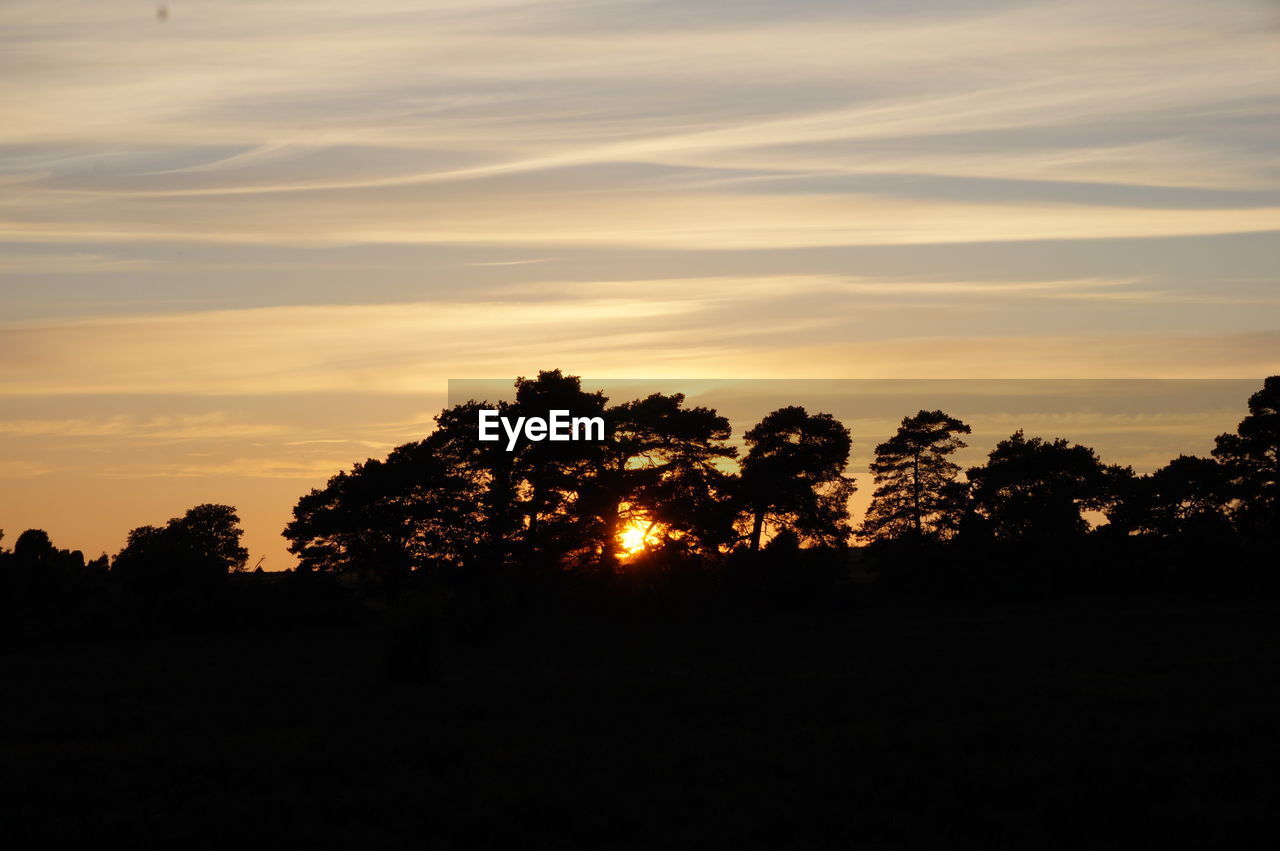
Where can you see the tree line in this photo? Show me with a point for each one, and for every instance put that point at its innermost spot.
(669, 494)
(671, 477)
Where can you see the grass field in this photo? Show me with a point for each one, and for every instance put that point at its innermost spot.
(1121, 726)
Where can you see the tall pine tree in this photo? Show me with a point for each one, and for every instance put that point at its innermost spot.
(916, 494)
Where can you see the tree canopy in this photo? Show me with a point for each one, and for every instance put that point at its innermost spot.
(1251, 458)
(662, 474)
(793, 477)
(387, 518)
(200, 547)
(916, 494)
(1035, 490)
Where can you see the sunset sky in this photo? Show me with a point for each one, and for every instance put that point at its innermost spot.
(244, 244)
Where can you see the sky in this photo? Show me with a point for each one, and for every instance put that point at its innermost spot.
(245, 244)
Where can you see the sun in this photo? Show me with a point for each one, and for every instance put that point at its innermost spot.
(634, 538)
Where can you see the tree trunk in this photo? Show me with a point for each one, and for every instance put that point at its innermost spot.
(757, 527)
(610, 555)
(915, 496)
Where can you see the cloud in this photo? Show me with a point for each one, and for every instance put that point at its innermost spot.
(735, 288)
(409, 348)
(397, 347)
(513, 262)
(475, 124)
(1079, 356)
(68, 263)
(638, 220)
(310, 469)
(177, 428)
(20, 469)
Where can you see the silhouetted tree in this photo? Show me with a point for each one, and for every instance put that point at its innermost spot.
(38, 570)
(198, 548)
(33, 546)
(385, 519)
(558, 530)
(1035, 490)
(489, 471)
(1251, 458)
(793, 477)
(1185, 497)
(453, 500)
(213, 532)
(915, 494)
(662, 469)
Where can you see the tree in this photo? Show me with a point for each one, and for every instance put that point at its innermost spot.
(1251, 458)
(1185, 497)
(212, 533)
(536, 501)
(915, 494)
(198, 548)
(386, 519)
(559, 530)
(661, 471)
(453, 499)
(37, 569)
(33, 546)
(489, 472)
(793, 477)
(1035, 490)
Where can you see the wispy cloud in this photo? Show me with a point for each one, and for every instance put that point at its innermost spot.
(405, 348)
(635, 220)
(145, 127)
(213, 426)
(19, 469)
(67, 263)
(513, 262)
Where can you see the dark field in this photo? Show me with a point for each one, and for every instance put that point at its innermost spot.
(1133, 725)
